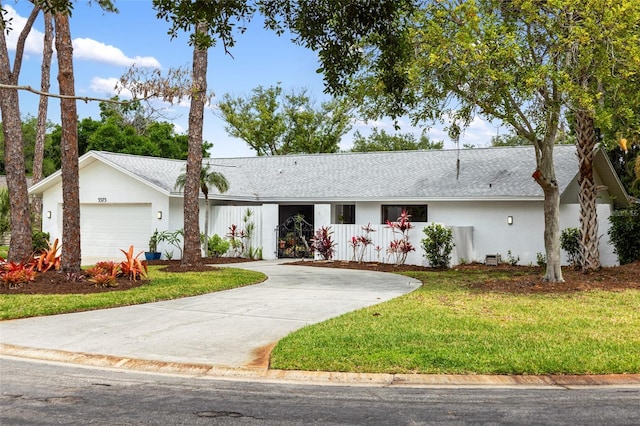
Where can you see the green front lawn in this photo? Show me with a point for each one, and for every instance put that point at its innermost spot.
(446, 327)
(163, 286)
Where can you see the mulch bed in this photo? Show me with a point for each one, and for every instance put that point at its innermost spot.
(53, 282)
(525, 279)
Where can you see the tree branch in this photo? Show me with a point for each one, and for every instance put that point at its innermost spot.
(80, 98)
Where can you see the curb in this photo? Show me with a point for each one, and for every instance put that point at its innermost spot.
(318, 377)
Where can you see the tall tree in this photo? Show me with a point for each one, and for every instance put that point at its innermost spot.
(276, 123)
(210, 21)
(71, 256)
(20, 245)
(208, 178)
(45, 83)
(382, 141)
(602, 44)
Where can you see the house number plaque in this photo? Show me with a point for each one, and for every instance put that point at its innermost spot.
(102, 199)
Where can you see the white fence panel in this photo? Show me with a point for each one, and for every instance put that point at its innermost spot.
(222, 217)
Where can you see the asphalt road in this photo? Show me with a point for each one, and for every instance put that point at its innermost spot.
(37, 393)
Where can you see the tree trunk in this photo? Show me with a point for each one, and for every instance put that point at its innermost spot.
(546, 178)
(20, 246)
(70, 261)
(206, 226)
(45, 83)
(192, 247)
(587, 197)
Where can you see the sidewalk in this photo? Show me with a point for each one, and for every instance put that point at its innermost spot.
(230, 334)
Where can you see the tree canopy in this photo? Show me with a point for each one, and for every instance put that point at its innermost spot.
(273, 122)
(383, 141)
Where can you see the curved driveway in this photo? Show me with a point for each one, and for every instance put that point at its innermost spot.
(229, 328)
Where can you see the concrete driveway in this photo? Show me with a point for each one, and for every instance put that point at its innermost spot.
(234, 328)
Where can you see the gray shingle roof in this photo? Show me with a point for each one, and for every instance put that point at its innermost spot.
(489, 173)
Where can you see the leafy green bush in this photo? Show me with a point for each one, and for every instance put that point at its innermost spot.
(40, 241)
(570, 242)
(624, 234)
(217, 246)
(438, 245)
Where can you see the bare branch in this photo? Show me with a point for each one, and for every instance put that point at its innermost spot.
(86, 99)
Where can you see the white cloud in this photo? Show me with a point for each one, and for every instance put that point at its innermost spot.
(108, 86)
(89, 49)
(33, 44)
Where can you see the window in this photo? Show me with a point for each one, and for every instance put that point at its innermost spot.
(345, 213)
(392, 212)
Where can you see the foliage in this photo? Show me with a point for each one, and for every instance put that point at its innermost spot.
(438, 245)
(382, 141)
(48, 258)
(400, 247)
(512, 260)
(217, 246)
(236, 240)
(16, 274)
(360, 243)
(40, 241)
(174, 238)
(153, 241)
(274, 123)
(104, 274)
(132, 267)
(322, 243)
(5, 224)
(570, 242)
(624, 232)
(541, 259)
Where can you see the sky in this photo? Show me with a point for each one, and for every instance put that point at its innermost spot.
(106, 45)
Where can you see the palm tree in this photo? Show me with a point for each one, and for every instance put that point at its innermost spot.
(208, 178)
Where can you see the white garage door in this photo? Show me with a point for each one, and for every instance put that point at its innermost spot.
(107, 228)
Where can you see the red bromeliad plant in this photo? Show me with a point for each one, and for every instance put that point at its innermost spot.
(104, 274)
(49, 258)
(133, 267)
(15, 274)
(400, 247)
(322, 243)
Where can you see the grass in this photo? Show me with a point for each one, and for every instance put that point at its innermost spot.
(4, 251)
(446, 327)
(163, 286)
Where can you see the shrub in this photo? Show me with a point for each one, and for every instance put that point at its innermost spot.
(322, 243)
(541, 259)
(512, 260)
(360, 243)
(438, 245)
(217, 246)
(624, 232)
(570, 242)
(104, 274)
(40, 241)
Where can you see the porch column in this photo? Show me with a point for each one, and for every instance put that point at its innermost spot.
(321, 215)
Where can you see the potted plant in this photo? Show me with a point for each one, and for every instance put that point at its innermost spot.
(153, 253)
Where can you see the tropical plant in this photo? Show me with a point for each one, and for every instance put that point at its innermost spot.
(438, 245)
(132, 267)
(174, 238)
(322, 243)
(15, 274)
(48, 258)
(400, 247)
(104, 274)
(153, 242)
(570, 242)
(40, 241)
(236, 240)
(624, 232)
